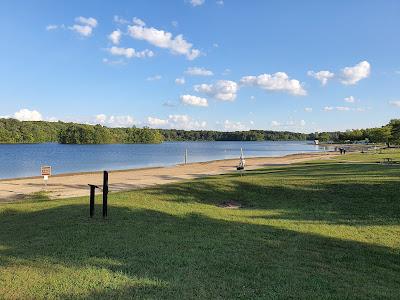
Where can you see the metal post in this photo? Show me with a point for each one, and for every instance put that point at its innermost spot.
(105, 193)
(186, 154)
(92, 196)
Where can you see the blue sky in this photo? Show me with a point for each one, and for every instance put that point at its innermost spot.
(224, 65)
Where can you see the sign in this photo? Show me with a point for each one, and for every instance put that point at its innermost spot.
(45, 171)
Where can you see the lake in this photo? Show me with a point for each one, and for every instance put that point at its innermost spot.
(23, 160)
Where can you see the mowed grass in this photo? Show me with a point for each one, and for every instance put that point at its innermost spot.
(320, 230)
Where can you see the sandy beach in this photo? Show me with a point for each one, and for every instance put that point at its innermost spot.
(72, 185)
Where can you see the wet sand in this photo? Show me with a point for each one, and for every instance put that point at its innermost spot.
(72, 185)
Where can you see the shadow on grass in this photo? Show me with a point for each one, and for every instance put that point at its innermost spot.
(353, 195)
(191, 256)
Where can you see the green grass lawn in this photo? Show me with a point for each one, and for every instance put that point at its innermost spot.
(320, 230)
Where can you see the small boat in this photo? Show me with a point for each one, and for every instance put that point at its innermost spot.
(316, 142)
(242, 161)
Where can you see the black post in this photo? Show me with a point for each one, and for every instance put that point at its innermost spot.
(105, 193)
(92, 195)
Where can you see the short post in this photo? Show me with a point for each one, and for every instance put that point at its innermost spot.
(92, 196)
(105, 193)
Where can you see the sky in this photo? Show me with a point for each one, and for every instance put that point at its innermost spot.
(226, 65)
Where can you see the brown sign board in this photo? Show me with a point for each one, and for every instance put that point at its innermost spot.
(45, 170)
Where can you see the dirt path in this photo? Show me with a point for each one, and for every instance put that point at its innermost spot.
(71, 185)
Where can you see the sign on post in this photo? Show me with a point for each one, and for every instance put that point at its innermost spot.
(46, 172)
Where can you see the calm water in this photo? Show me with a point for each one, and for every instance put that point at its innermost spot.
(25, 160)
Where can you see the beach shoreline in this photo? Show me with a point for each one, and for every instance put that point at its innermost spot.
(76, 184)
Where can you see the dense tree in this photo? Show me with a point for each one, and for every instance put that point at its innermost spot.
(379, 135)
(14, 131)
(395, 131)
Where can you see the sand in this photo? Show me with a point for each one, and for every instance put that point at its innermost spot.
(72, 185)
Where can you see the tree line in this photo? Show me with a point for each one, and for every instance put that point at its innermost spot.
(13, 131)
(388, 134)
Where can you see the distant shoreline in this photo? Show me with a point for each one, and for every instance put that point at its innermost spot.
(76, 184)
(164, 166)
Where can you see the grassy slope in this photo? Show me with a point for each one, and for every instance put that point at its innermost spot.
(328, 230)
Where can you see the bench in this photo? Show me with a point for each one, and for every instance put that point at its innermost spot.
(387, 160)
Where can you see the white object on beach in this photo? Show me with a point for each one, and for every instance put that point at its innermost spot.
(242, 161)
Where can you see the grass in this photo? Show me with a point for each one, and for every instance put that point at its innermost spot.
(320, 230)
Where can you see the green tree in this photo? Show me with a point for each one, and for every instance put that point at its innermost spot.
(395, 131)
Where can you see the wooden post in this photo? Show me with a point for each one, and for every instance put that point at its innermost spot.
(92, 196)
(105, 193)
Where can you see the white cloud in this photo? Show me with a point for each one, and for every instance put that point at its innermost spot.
(224, 90)
(175, 23)
(170, 104)
(395, 103)
(350, 99)
(101, 118)
(176, 122)
(163, 39)
(113, 62)
(197, 2)
(275, 124)
(308, 109)
(85, 26)
(180, 80)
(196, 71)
(234, 126)
(154, 78)
(115, 121)
(28, 115)
(322, 76)
(352, 75)
(130, 52)
(119, 20)
(220, 2)
(156, 122)
(138, 22)
(289, 125)
(194, 100)
(276, 82)
(92, 22)
(83, 30)
(338, 108)
(51, 27)
(115, 36)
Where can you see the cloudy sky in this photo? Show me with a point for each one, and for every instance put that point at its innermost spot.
(202, 64)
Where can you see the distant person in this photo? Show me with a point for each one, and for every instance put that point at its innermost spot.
(341, 151)
(344, 151)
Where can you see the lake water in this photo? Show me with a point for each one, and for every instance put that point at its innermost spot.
(25, 160)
